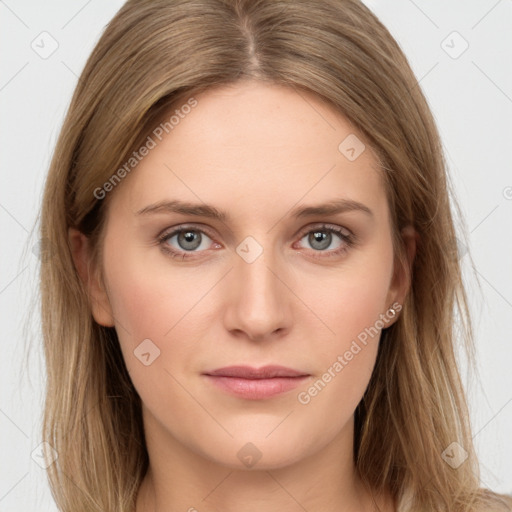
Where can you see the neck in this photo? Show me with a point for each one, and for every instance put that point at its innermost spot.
(181, 479)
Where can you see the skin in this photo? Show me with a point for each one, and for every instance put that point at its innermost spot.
(255, 151)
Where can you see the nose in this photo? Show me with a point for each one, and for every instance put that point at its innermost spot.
(258, 302)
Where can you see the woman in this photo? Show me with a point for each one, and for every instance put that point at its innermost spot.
(253, 303)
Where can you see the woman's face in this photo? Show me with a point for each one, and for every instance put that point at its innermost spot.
(258, 277)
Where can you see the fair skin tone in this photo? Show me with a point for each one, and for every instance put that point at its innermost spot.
(256, 152)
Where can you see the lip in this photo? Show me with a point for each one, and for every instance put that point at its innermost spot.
(256, 383)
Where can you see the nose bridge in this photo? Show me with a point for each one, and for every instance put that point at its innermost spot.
(259, 305)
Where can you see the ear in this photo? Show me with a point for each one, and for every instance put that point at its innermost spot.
(90, 277)
(401, 280)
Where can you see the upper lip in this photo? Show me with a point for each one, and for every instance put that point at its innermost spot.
(248, 372)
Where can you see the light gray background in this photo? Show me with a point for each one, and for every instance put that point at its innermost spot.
(470, 96)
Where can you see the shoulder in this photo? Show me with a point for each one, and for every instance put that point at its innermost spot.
(484, 500)
(494, 502)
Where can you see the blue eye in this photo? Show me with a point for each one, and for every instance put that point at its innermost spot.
(187, 240)
(322, 237)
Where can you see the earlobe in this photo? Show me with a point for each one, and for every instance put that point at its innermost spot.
(89, 275)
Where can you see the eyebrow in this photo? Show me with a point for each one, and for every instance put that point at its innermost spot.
(204, 210)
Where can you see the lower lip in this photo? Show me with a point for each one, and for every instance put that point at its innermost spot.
(256, 389)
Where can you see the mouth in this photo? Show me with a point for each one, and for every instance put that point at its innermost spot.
(256, 383)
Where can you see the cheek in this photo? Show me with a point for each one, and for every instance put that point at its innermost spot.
(147, 295)
(351, 304)
(156, 302)
(150, 307)
(352, 298)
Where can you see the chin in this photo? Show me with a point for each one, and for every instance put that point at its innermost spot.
(259, 452)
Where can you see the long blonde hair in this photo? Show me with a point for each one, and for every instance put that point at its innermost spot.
(153, 55)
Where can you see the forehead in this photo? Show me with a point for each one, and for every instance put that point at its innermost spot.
(270, 144)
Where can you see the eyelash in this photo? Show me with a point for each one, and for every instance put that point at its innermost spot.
(349, 240)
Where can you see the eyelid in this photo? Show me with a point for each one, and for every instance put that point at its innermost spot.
(325, 225)
(167, 232)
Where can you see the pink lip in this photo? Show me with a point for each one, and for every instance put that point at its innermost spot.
(256, 383)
